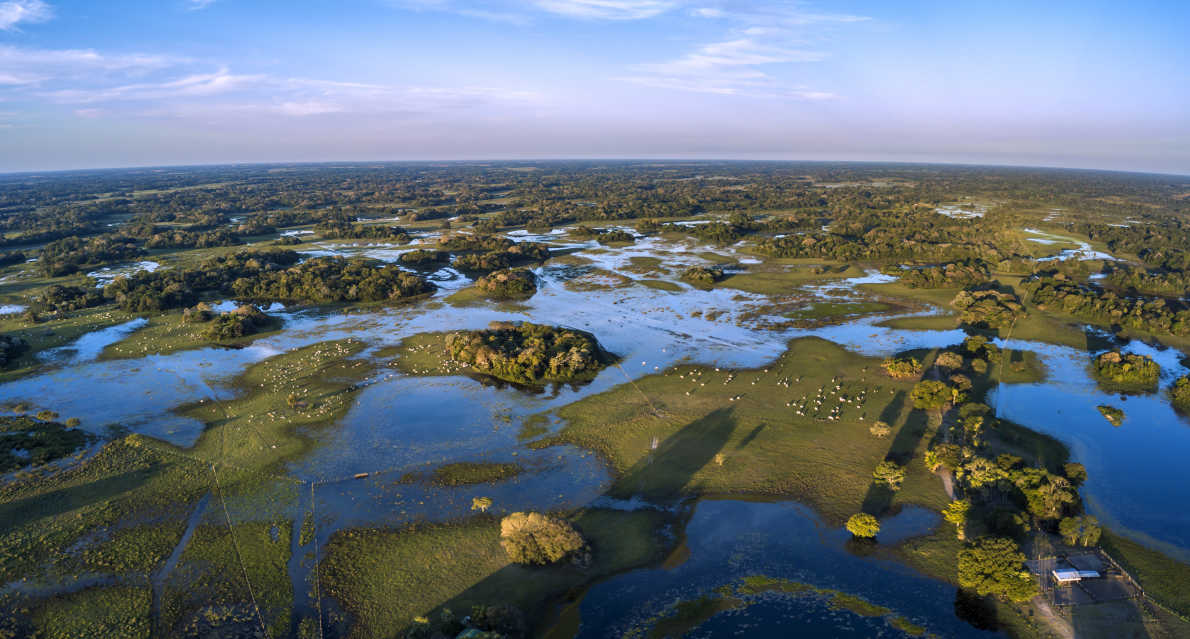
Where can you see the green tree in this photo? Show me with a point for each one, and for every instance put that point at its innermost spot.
(1082, 530)
(1076, 473)
(863, 525)
(534, 538)
(930, 395)
(889, 472)
(956, 513)
(994, 566)
(1180, 393)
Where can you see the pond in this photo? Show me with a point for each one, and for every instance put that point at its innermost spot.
(731, 540)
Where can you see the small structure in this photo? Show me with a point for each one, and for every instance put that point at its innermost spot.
(1065, 576)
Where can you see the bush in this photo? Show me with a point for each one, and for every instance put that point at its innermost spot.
(616, 236)
(241, 322)
(1179, 393)
(702, 276)
(534, 538)
(995, 566)
(902, 367)
(508, 283)
(880, 429)
(863, 525)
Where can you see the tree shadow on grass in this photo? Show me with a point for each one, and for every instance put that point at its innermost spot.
(668, 470)
(880, 496)
(22, 512)
(620, 540)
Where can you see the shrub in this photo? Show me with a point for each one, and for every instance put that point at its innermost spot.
(1179, 393)
(702, 276)
(902, 367)
(880, 429)
(534, 538)
(863, 525)
(241, 322)
(616, 236)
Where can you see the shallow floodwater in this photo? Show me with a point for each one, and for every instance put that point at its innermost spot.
(729, 540)
(401, 425)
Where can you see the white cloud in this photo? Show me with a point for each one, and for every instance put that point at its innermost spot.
(758, 40)
(196, 5)
(14, 12)
(727, 68)
(607, 9)
(36, 65)
(514, 11)
(782, 15)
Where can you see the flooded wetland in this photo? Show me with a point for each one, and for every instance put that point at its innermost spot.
(704, 404)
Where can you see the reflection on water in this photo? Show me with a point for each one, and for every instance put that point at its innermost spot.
(729, 540)
(399, 423)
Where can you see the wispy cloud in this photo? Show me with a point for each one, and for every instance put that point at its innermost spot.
(728, 68)
(607, 9)
(783, 15)
(99, 84)
(14, 12)
(521, 12)
(759, 39)
(50, 63)
(196, 5)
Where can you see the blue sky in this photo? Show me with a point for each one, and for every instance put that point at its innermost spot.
(138, 82)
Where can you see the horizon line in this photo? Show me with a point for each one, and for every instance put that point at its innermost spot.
(609, 158)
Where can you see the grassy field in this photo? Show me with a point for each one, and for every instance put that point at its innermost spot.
(386, 578)
(708, 444)
(168, 333)
(782, 277)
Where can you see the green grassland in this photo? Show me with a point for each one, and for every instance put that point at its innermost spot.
(766, 449)
(384, 579)
(168, 333)
(782, 277)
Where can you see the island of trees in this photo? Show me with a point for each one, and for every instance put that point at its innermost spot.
(529, 353)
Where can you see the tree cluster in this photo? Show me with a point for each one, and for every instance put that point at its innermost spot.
(529, 353)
